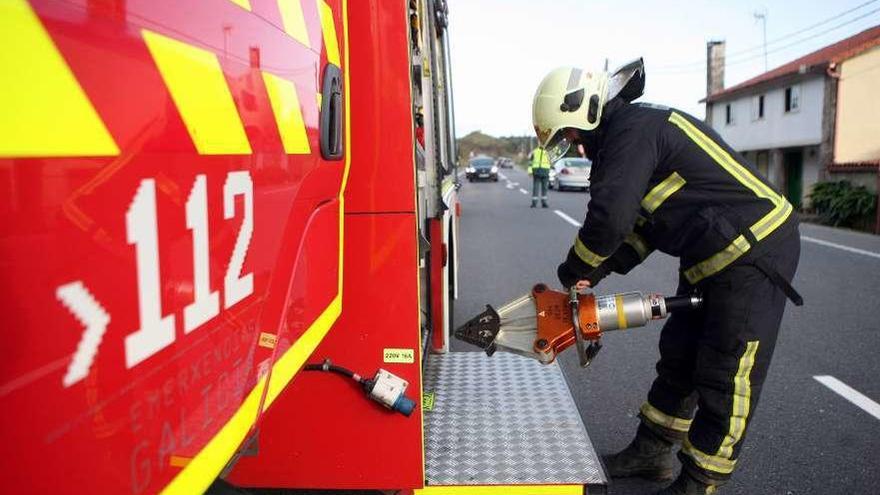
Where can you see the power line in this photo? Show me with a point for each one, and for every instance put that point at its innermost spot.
(783, 47)
(775, 40)
(774, 50)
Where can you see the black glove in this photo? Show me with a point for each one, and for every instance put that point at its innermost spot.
(568, 278)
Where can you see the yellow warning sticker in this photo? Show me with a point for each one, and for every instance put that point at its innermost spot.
(268, 340)
(428, 401)
(399, 355)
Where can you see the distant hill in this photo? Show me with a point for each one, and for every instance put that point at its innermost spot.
(477, 143)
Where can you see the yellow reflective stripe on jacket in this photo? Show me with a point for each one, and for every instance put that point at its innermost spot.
(662, 191)
(718, 261)
(742, 401)
(708, 462)
(762, 228)
(638, 243)
(660, 418)
(586, 255)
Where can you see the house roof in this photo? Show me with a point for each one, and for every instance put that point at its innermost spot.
(815, 62)
(855, 166)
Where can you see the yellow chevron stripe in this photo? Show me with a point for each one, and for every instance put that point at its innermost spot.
(198, 87)
(201, 470)
(288, 114)
(328, 28)
(245, 4)
(44, 112)
(293, 358)
(294, 21)
(208, 463)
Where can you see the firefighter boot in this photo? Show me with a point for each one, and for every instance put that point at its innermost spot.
(544, 204)
(686, 484)
(534, 203)
(648, 456)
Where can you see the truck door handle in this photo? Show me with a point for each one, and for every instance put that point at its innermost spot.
(331, 113)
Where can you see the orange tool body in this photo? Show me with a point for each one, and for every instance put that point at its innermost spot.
(542, 323)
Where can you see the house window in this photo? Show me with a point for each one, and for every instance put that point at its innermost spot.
(758, 107)
(763, 162)
(728, 114)
(792, 98)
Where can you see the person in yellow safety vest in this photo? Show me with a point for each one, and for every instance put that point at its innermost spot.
(539, 169)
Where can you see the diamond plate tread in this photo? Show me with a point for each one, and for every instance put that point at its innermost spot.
(503, 420)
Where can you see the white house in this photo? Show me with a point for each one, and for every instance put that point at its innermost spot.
(785, 120)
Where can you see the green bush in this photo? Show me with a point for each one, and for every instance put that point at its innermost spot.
(842, 204)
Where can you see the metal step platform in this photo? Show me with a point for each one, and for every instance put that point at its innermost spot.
(506, 421)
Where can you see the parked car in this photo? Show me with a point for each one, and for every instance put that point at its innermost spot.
(482, 168)
(571, 173)
(504, 163)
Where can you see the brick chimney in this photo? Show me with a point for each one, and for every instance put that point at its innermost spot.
(714, 72)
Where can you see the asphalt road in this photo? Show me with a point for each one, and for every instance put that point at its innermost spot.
(804, 438)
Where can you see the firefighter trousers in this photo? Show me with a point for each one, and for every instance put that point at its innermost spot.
(714, 361)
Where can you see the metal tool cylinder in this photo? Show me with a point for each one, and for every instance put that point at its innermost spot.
(628, 310)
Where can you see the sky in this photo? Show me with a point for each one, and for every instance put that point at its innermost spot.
(501, 49)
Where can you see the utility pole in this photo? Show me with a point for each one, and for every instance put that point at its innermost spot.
(762, 16)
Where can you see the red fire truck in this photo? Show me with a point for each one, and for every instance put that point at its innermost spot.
(203, 200)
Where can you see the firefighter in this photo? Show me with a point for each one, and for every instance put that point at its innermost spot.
(539, 169)
(664, 180)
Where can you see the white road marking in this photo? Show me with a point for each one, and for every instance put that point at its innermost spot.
(803, 237)
(504, 177)
(567, 218)
(840, 246)
(525, 192)
(510, 186)
(850, 394)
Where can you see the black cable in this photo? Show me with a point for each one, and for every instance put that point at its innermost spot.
(399, 402)
(332, 368)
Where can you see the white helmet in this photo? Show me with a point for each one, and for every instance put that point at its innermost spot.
(570, 98)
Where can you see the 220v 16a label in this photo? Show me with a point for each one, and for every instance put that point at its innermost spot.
(390, 355)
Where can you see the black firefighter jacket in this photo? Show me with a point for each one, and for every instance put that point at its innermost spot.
(664, 180)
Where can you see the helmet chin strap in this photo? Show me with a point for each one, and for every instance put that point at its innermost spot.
(591, 140)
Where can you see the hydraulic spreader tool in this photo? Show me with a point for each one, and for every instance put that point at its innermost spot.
(541, 324)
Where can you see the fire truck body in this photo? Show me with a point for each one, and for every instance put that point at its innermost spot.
(198, 199)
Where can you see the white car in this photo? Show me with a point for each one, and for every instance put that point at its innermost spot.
(571, 173)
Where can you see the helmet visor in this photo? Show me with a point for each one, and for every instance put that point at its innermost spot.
(557, 147)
